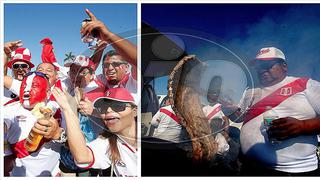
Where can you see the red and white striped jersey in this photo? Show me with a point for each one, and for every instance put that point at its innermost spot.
(213, 112)
(19, 122)
(292, 97)
(168, 125)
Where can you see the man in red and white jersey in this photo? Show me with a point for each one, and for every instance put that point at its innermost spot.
(117, 73)
(19, 121)
(219, 123)
(116, 70)
(167, 125)
(296, 103)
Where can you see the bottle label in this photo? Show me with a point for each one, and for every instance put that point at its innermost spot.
(268, 120)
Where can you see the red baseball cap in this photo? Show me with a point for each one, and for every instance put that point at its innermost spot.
(115, 94)
(20, 55)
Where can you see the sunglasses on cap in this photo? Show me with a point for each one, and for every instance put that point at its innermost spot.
(38, 74)
(114, 64)
(20, 66)
(114, 105)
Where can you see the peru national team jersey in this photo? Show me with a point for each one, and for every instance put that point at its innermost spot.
(42, 162)
(168, 125)
(127, 167)
(130, 84)
(292, 97)
(213, 112)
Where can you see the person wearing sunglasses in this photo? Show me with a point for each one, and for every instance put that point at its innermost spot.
(19, 121)
(116, 147)
(115, 63)
(296, 107)
(19, 62)
(116, 72)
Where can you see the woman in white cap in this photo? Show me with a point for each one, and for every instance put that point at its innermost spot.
(116, 147)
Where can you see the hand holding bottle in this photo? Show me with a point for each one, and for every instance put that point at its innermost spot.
(288, 127)
(45, 126)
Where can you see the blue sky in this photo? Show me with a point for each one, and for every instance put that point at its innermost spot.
(243, 29)
(61, 22)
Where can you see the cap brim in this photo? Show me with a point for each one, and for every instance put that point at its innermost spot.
(10, 63)
(254, 61)
(100, 100)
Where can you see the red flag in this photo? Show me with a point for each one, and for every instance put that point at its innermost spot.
(47, 55)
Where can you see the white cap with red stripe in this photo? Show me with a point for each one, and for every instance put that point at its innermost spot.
(270, 53)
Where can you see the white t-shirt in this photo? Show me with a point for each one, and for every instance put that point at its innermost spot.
(296, 154)
(127, 167)
(166, 127)
(15, 89)
(19, 122)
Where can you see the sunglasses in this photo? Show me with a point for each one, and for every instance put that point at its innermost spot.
(20, 66)
(38, 74)
(266, 65)
(115, 106)
(114, 64)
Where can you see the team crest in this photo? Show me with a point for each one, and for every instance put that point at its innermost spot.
(286, 91)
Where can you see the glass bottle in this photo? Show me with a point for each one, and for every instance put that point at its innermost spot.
(268, 116)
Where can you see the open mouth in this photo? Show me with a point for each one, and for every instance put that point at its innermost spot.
(111, 120)
(26, 96)
(111, 73)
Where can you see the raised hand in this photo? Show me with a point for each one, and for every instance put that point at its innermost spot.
(11, 46)
(86, 106)
(61, 98)
(94, 27)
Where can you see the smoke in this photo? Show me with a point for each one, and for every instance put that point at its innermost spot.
(295, 31)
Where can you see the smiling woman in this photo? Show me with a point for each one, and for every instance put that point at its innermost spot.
(118, 112)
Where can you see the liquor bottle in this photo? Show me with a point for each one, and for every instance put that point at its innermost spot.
(33, 140)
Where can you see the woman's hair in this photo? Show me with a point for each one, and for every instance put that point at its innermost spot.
(113, 150)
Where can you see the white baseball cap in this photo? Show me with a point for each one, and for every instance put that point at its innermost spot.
(270, 53)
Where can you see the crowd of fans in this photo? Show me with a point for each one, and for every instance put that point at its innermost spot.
(91, 129)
